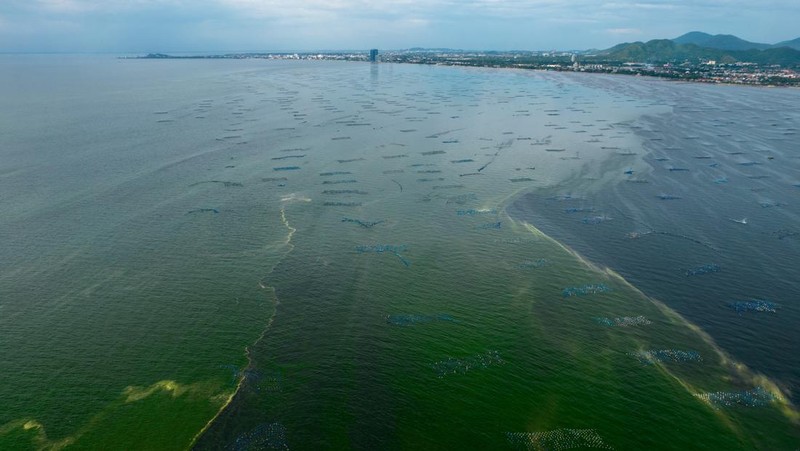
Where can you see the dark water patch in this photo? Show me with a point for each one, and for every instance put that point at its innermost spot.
(469, 174)
(338, 182)
(350, 160)
(274, 179)
(286, 168)
(427, 180)
(394, 171)
(448, 186)
(339, 138)
(466, 160)
(429, 171)
(785, 233)
(391, 157)
(521, 179)
(203, 210)
(433, 152)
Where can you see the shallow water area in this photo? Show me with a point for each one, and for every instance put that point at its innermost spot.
(318, 255)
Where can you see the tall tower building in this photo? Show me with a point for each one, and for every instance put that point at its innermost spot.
(373, 55)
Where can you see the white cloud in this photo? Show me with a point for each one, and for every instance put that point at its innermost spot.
(624, 31)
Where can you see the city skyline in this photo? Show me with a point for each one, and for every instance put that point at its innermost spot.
(276, 25)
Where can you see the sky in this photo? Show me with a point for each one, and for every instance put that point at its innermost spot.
(136, 26)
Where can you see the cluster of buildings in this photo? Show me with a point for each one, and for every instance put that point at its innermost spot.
(701, 71)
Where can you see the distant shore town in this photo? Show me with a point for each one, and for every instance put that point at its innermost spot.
(695, 70)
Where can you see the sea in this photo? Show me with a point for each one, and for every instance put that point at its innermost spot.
(269, 254)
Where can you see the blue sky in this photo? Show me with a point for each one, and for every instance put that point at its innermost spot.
(276, 25)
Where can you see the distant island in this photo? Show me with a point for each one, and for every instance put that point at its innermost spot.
(694, 56)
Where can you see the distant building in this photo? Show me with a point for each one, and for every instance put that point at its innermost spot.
(373, 55)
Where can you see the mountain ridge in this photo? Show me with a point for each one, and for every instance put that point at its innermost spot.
(730, 42)
(668, 51)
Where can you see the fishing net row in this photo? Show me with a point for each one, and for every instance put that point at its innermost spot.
(450, 365)
(364, 224)
(267, 436)
(705, 269)
(533, 264)
(557, 440)
(473, 212)
(666, 355)
(754, 305)
(412, 319)
(757, 397)
(583, 290)
(624, 321)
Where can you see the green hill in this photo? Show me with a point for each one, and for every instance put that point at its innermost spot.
(719, 41)
(659, 51)
(794, 44)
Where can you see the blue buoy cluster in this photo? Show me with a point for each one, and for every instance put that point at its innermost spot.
(594, 220)
(384, 248)
(583, 290)
(268, 382)
(666, 355)
(413, 319)
(754, 305)
(473, 212)
(491, 225)
(757, 397)
(381, 248)
(265, 436)
(579, 210)
(557, 440)
(705, 269)
(364, 224)
(623, 321)
(533, 264)
(450, 365)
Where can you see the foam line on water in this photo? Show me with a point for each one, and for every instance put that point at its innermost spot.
(739, 369)
(276, 304)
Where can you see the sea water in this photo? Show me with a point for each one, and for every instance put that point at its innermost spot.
(185, 261)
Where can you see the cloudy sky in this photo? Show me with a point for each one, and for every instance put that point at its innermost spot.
(275, 25)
